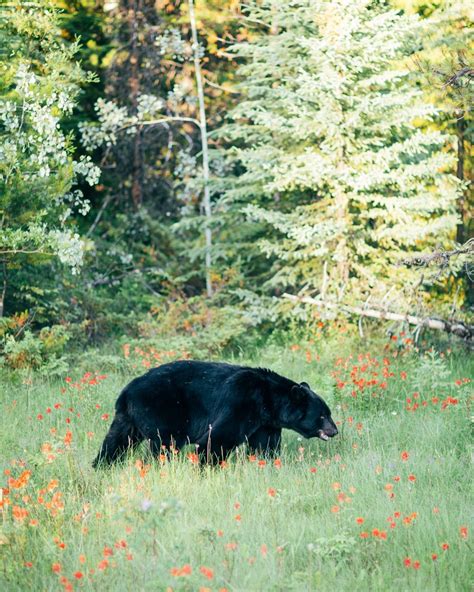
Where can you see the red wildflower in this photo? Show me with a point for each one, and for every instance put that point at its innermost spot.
(434, 557)
(360, 520)
(364, 535)
(404, 455)
(407, 562)
(186, 570)
(416, 565)
(445, 546)
(56, 567)
(206, 572)
(231, 546)
(271, 492)
(463, 532)
(78, 575)
(411, 478)
(277, 463)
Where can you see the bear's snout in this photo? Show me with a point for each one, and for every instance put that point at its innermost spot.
(328, 430)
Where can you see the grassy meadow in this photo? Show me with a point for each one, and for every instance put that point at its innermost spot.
(386, 505)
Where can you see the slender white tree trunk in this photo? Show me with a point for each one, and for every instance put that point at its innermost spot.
(205, 151)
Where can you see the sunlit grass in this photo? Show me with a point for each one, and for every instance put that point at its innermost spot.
(372, 509)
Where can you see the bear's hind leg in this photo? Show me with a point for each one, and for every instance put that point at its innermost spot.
(122, 436)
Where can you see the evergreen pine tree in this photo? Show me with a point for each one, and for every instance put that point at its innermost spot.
(327, 136)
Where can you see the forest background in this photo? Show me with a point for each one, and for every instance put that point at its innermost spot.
(329, 155)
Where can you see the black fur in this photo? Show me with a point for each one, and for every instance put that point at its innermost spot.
(216, 406)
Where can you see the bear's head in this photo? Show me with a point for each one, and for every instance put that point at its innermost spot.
(308, 414)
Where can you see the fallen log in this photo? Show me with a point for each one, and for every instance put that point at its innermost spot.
(458, 328)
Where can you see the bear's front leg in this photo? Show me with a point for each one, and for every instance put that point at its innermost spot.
(265, 441)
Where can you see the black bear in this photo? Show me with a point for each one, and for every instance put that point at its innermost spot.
(215, 406)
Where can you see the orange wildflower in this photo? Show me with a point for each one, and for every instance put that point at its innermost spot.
(20, 482)
(19, 513)
(206, 572)
(186, 570)
(193, 458)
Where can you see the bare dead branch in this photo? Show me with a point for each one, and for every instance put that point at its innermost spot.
(458, 328)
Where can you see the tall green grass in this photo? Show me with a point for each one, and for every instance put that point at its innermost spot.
(252, 525)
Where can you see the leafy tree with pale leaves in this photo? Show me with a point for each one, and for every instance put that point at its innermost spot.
(39, 81)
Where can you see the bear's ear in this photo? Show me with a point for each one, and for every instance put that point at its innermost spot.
(298, 393)
(305, 384)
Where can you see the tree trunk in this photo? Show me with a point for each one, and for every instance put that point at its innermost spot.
(134, 84)
(460, 130)
(4, 289)
(206, 203)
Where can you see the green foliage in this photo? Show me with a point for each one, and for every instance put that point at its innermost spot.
(30, 351)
